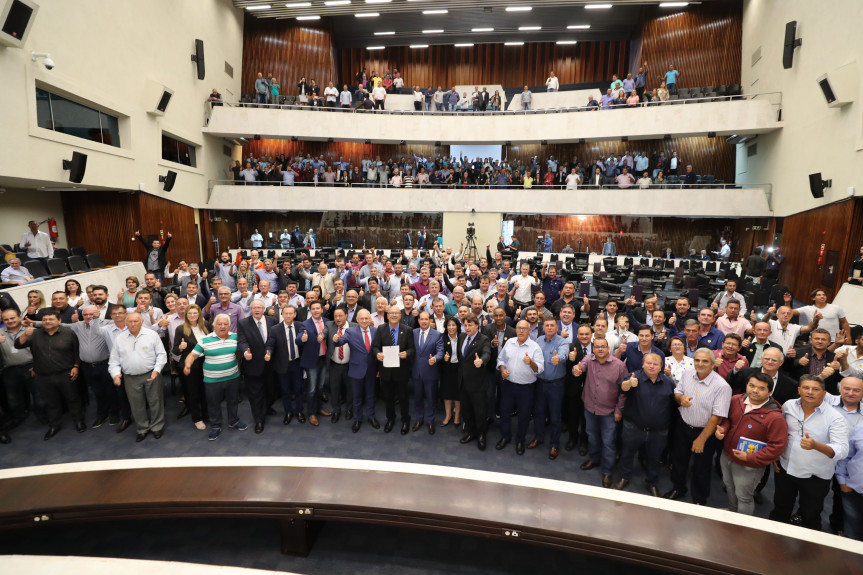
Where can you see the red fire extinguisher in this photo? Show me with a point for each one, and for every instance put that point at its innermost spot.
(52, 229)
(161, 231)
(821, 255)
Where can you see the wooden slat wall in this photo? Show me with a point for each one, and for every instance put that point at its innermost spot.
(287, 52)
(703, 42)
(509, 66)
(356, 151)
(382, 230)
(838, 226)
(630, 234)
(707, 155)
(105, 222)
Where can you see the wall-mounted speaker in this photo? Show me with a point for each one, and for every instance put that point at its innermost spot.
(817, 185)
(16, 20)
(168, 181)
(840, 85)
(791, 42)
(76, 166)
(198, 58)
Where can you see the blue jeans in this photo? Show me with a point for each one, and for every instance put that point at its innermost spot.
(439, 106)
(600, 439)
(314, 387)
(549, 399)
(653, 440)
(525, 105)
(451, 107)
(852, 503)
(262, 98)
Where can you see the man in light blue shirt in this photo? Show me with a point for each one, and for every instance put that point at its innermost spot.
(520, 361)
(671, 79)
(817, 441)
(549, 388)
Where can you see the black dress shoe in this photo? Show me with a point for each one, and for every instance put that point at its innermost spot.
(674, 494)
(271, 411)
(467, 438)
(519, 448)
(389, 425)
(52, 431)
(301, 417)
(259, 427)
(431, 429)
(336, 416)
(588, 465)
(607, 481)
(501, 444)
(158, 434)
(4, 438)
(287, 419)
(356, 426)
(325, 398)
(183, 412)
(349, 414)
(374, 423)
(124, 425)
(481, 443)
(80, 427)
(140, 437)
(405, 427)
(570, 445)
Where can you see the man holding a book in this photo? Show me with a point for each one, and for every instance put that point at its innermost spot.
(755, 435)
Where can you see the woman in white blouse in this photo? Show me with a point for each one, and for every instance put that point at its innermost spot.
(678, 361)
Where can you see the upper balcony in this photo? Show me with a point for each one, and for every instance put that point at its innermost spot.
(554, 122)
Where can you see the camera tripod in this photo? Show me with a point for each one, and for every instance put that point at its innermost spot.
(470, 251)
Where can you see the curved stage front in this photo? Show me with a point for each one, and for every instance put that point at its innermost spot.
(668, 535)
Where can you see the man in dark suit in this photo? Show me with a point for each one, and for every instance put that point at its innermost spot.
(351, 305)
(282, 346)
(785, 387)
(753, 348)
(819, 361)
(339, 359)
(573, 406)
(474, 353)
(426, 372)
(498, 332)
(362, 368)
(313, 359)
(252, 334)
(394, 380)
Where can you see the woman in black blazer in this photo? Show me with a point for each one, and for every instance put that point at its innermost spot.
(449, 372)
(186, 337)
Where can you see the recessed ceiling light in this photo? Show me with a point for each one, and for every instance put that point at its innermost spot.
(463, 45)
(579, 27)
(513, 43)
(375, 47)
(378, 1)
(590, 6)
(367, 14)
(429, 12)
(337, 2)
(519, 8)
(419, 45)
(432, 31)
(566, 42)
(482, 30)
(298, 4)
(384, 33)
(308, 17)
(258, 7)
(529, 28)
(673, 4)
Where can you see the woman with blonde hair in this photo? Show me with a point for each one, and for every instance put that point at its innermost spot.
(186, 337)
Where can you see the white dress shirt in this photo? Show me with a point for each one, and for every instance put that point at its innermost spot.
(825, 425)
(40, 245)
(133, 355)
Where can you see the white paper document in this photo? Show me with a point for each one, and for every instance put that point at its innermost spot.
(391, 356)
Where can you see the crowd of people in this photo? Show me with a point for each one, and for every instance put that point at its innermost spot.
(371, 90)
(495, 342)
(628, 170)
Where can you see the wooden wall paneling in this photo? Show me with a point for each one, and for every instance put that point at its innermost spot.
(206, 232)
(356, 151)
(802, 235)
(287, 51)
(157, 213)
(704, 43)
(383, 230)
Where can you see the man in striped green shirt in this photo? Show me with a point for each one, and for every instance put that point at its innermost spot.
(221, 374)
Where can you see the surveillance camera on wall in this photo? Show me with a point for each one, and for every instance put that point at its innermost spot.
(46, 59)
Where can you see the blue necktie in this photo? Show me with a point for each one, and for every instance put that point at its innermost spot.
(466, 345)
(393, 335)
(422, 340)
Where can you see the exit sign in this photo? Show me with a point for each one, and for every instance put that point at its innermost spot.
(756, 228)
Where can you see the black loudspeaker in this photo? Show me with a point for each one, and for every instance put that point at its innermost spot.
(827, 89)
(791, 42)
(168, 180)
(817, 185)
(198, 58)
(16, 19)
(76, 166)
(164, 101)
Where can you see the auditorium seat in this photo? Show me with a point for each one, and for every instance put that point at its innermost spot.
(78, 264)
(22, 256)
(721, 90)
(57, 266)
(78, 252)
(7, 247)
(61, 253)
(707, 89)
(37, 269)
(95, 262)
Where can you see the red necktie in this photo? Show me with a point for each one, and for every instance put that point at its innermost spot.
(341, 348)
(366, 337)
(323, 344)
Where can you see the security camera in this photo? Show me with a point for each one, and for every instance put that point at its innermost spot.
(46, 59)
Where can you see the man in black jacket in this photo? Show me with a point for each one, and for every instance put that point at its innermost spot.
(155, 261)
(474, 354)
(252, 334)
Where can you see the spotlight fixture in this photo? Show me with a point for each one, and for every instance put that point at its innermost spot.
(330, 140)
(294, 138)
(624, 138)
(711, 134)
(403, 142)
(544, 142)
(666, 137)
(437, 143)
(582, 141)
(257, 137)
(507, 143)
(367, 142)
